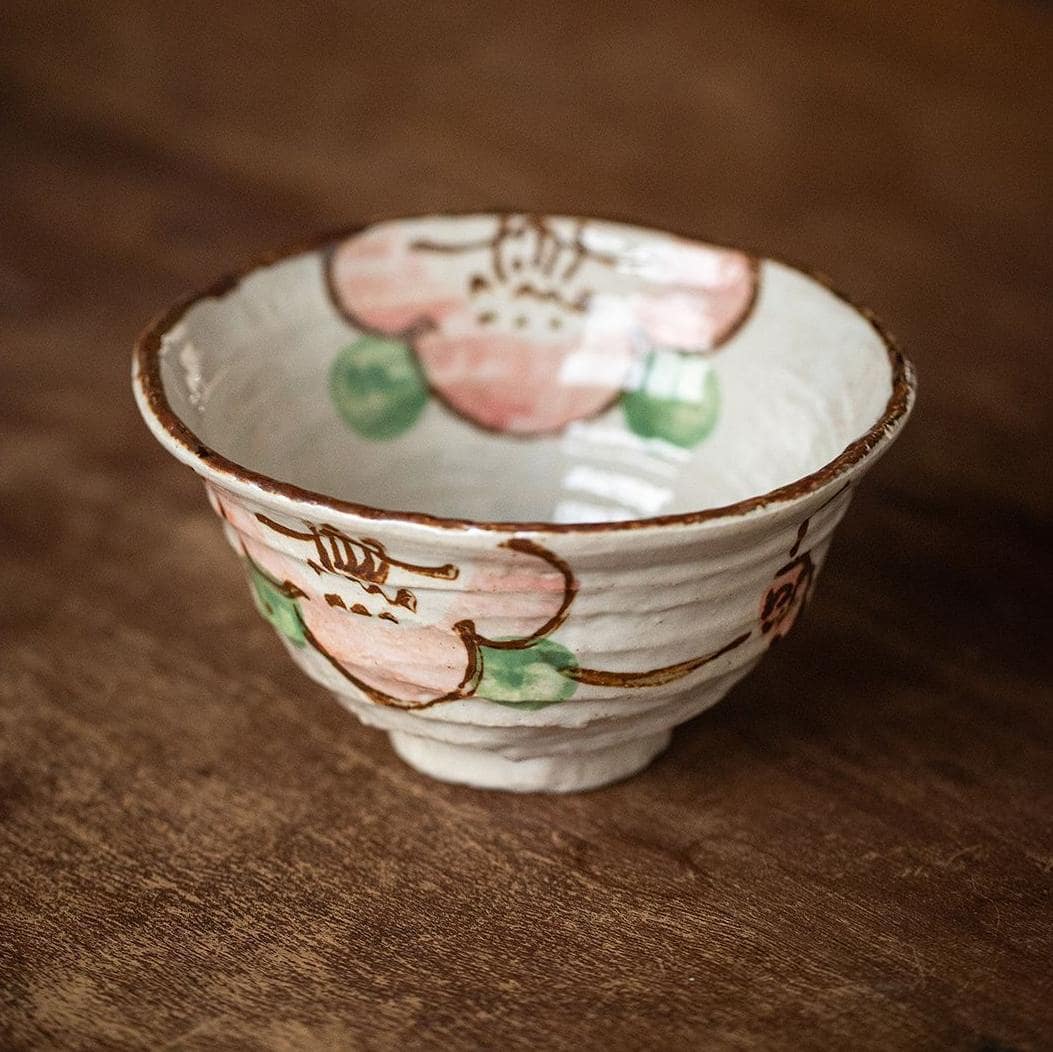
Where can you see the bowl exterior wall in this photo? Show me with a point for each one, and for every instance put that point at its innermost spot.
(525, 656)
(544, 661)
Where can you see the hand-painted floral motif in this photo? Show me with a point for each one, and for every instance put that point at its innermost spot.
(786, 596)
(789, 591)
(523, 324)
(393, 630)
(381, 622)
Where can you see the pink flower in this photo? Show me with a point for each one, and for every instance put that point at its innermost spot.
(786, 597)
(405, 634)
(524, 323)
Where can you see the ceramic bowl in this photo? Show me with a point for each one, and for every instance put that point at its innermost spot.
(617, 458)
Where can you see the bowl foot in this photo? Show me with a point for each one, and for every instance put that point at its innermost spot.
(559, 773)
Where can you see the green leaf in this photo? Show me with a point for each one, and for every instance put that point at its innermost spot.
(530, 678)
(678, 399)
(377, 387)
(281, 611)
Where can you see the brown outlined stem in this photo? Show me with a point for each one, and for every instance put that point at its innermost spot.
(655, 677)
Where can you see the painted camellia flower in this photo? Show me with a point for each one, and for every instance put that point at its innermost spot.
(786, 597)
(789, 591)
(396, 630)
(523, 324)
(404, 636)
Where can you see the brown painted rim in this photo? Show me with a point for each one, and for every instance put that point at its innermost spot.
(147, 359)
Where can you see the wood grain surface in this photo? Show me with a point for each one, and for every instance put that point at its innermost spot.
(200, 850)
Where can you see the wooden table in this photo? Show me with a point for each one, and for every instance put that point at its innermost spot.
(200, 850)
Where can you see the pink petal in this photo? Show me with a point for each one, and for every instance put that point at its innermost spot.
(693, 297)
(258, 543)
(511, 594)
(793, 581)
(522, 383)
(382, 283)
(408, 662)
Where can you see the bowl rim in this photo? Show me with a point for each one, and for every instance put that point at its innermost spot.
(154, 403)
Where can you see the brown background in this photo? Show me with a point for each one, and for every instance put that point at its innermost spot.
(199, 850)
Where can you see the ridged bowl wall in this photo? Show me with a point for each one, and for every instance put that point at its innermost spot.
(618, 458)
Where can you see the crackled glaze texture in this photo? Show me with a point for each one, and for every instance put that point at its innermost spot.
(564, 380)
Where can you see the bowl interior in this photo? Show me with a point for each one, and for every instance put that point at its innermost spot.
(512, 368)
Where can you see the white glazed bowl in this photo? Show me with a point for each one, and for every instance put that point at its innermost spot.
(618, 456)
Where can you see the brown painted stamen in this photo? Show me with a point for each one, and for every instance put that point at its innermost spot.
(540, 234)
(532, 291)
(359, 558)
(581, 304)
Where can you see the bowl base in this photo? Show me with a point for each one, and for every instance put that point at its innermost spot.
(560, 773)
